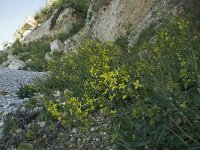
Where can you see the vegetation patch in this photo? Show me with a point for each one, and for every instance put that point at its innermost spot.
(109, 96)
(64, 35)
(33, 54)
(26, 91)
(3, 56)
(80, 5)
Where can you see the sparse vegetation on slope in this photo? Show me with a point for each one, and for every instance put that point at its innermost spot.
(3, 56)
(110, 96)
(33, 53)
(80, 5)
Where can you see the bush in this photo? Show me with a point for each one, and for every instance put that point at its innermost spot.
(79, 5)
(122, 41)
(3, 56)
(26, 91)
(64, 35)
(43, 15)
(151, 96)
(143, 98)
(33, 53)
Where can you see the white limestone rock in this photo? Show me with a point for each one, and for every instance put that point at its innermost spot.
(16, 64)
(63, 22)
(13, 62)
(112, 19)
(56, 46)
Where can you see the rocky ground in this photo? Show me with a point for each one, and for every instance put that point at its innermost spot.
(10, 81)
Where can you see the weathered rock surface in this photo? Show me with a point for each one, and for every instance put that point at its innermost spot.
(56, 46)
(29, 24)
(13, 62)
(111, 19)
(62, 20)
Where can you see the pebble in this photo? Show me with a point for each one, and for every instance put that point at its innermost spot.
(10, 81)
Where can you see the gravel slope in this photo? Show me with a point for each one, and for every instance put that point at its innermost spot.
(10, 81)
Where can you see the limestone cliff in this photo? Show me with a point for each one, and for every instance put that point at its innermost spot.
(106, 20)
(62, 20)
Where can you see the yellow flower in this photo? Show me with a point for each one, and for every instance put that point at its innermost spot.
(137, 84)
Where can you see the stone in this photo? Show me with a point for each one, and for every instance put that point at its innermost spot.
(74, 131)
(13, 62)
(16, 64)
(30, 20)
(3, 93)
(49, 3)
(29, 24)
(48, 56)
(10, 81)
(27, 32)
(56, 94)
(1, 129)
(42, 124)
(11, 57)
(56, 46)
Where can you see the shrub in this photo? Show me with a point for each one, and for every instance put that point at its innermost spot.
(43, 15)
(64, 35)
(81, 5)
(122, 41)
(143, 98)
(26, 91)
(3, 56)
(33, 53)
(151, 96)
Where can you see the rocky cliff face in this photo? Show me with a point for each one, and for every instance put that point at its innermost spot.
(62, 20)
(115, 18)
(106, 20)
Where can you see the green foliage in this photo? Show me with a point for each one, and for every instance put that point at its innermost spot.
(144, 98)
(1, 115)
(3, 56)
(45, 13)
(122, 41)
(81, 5)
(24, 146)
(63, 35)
(26, 91)
(151, 96)
(33, 53)
(11, 124)
(168, 69)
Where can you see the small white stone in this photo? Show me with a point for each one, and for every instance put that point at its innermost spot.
(42, 124)
(92, 129)
(74, 130)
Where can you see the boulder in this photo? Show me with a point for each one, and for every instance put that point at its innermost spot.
(27, 32)
(56, 46)
(14, 63)
(29, 24)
